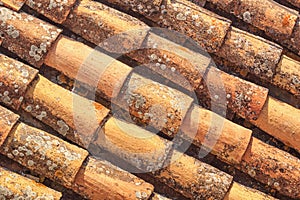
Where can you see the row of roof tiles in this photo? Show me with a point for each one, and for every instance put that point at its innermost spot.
(51, 108)
(246, 51)
(249, 106)
(41, 50)
(62, 162)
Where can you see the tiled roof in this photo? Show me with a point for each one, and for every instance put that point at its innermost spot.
(37, 38)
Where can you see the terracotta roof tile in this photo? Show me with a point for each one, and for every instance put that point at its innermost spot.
(238, 191)
(234, 52)
(15, 78)
(294, 2)
(57, 11)
(142, 97)
(252, 53)
(38, 42)
(184, 16)
(44, 153)
(193, 178)
(13, 4)
(145, 151)
(243, 97)
(97, 22)
(16, 186)
(276, 20)
(7, 121)
(116, 183)
(108, 75)
(184, 67)
(293, 42)
(55, 107)
(287, 75)
(232, 141)
(64, 163)
(272, 166)
(278, 119)
(28, 37)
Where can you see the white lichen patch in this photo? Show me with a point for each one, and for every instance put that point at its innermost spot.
(37, 52)
(57, 4)
(28, 108)
(41, 115)
(247, 17)
(5, 15)
(63, 127)
(11, 31)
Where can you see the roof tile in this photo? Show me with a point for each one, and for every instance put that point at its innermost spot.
(15, 77)
(173, 61)
(276, 20)
(28, 37)
(56, 10)
(62, 110)
(13, 4)
(7, 121)
(294, 41)
(239, 191)
(15, 186)
(44, 153)
(287, 76)
(280, 120)
(154, 104)
(205, 27)
(116, 183)
(252, 53)
(89, 66)
(227, 91)
(193, 178)
(273, 167)
(227, 140)
(101, 24)
(142, 149)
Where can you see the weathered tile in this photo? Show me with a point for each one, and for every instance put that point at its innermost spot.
(15, 186)
(73, 116)
(280, 120)
(44, 154)
(111, 29)
(88, 66)
(154, 104)
(142, 149)
(13, 4)
(293, 42)
(223, 138)
(238, 191)
(55, 10)
(276, 168)
(203, 26)
(173, 61)
(194, 179)
(274, 19)
(28, 37)
(15, 79)
(287, 75)
(99, 179)
(8, 120)
(221, 90)
(252, 53)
